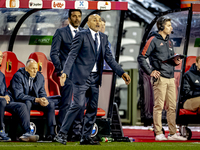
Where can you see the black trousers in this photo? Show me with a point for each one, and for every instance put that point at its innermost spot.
(89, 91)
(17, 109)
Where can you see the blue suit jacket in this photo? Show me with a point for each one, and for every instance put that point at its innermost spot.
(19, 86)
(81, 59)
(60, 47)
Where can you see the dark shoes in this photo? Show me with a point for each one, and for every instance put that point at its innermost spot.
(29, 137)
(88, 141)
(75, 138)
(61, 138)
(49, 138)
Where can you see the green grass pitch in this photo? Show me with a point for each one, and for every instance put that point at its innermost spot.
(103, 146)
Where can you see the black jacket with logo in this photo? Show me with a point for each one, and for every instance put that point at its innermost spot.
(157, 50)
(191, 83)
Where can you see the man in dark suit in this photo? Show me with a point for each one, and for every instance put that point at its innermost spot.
(85, 63)
(62, 40)
(27, 86)
(18, 110)
(59, 51)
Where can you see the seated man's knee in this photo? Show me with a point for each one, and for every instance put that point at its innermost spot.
(22, 106)
(51, 105)
(28, 104)
(3, 102)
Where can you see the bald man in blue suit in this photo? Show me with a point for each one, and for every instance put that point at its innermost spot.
(85, 63)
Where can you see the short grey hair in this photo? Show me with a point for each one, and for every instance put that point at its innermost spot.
(29, 60)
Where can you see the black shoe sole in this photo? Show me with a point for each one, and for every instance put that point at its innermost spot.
(62, 142)
(89, 144)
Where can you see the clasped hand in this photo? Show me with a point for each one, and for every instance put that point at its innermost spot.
(7, 98)
(42, 101)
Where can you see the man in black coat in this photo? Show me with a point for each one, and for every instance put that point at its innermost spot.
(60, 49)
(191, 87)
(27, 86)
(17, 109)
(62, 40)
(85, 63)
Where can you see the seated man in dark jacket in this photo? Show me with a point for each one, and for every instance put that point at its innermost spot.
(17, 109)
(191, 87)
(27, 86)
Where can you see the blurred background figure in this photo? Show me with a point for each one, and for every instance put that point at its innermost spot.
(65, 23)
(103, 25)
(102, 29)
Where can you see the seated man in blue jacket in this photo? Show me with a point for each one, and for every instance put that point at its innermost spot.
(27, 86)
(19, 109)
(191, 87)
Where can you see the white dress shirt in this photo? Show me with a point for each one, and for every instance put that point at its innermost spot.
(72, 30)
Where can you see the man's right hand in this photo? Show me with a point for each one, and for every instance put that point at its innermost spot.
(42, 101)
(62, 79)
(155, 74)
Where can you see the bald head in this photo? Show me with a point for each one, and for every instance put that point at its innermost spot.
(31, 67)
(94, 22)
(1, 57)
(93, 16)
(29, 61)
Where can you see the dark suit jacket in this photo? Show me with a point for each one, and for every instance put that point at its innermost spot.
(60, 47)
(19, 86)
(81, 59)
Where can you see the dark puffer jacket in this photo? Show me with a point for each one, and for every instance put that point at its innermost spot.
(157, 50)
(19, 86)
(191, 83)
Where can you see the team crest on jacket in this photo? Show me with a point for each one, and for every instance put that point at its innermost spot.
(170, 44)
(161, 44)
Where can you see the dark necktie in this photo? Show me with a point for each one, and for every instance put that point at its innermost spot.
(31, 84)
(75, 31)
(96, 43)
